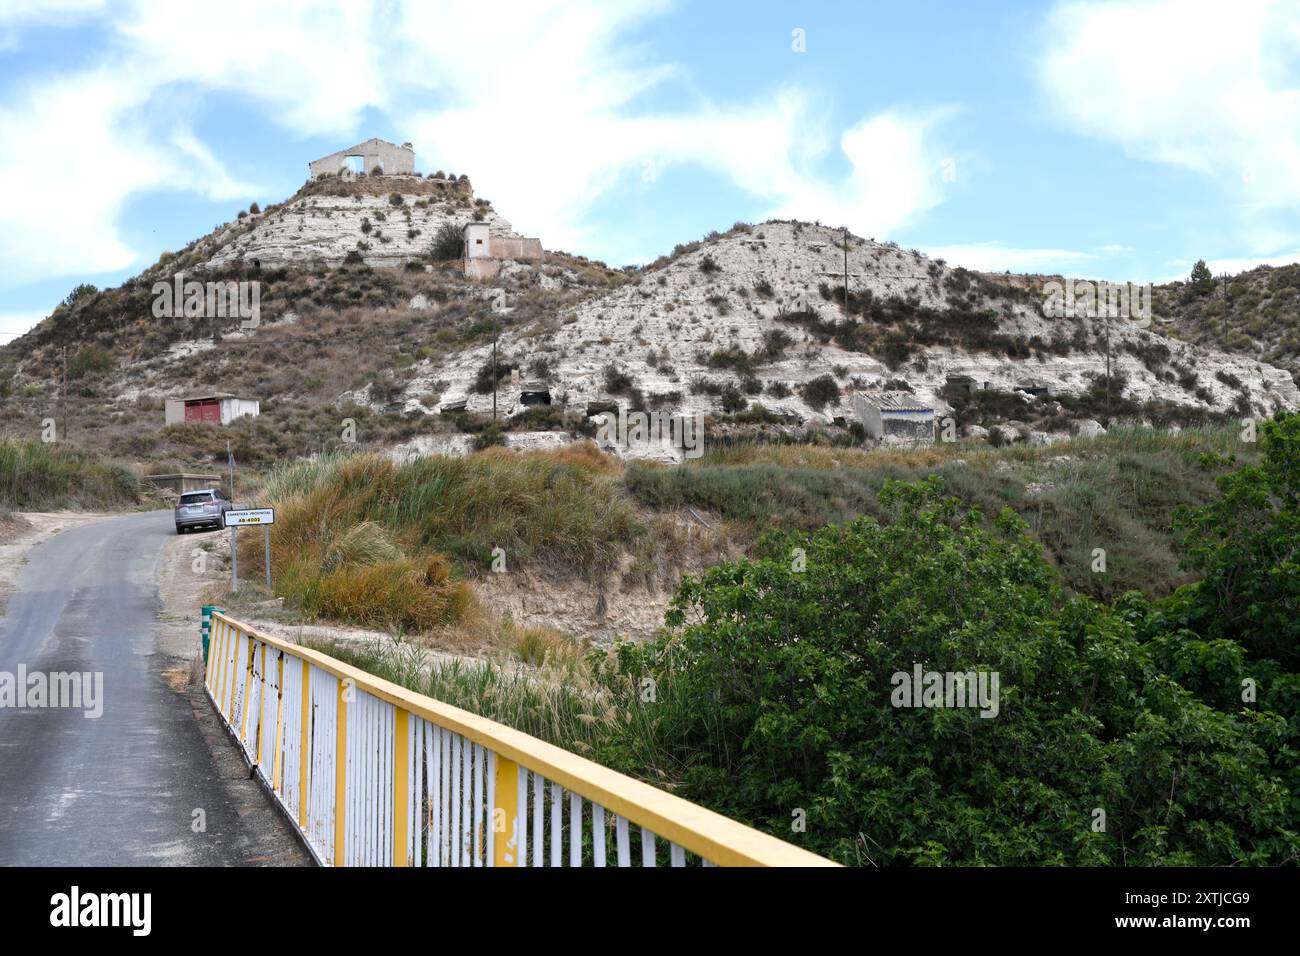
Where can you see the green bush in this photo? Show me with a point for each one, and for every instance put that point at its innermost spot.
(90, 361)
(493, 434)
(781, 677)
(1246, 545)
(448, 243)
(820, 391)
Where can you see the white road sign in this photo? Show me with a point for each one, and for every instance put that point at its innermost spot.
(236, 519)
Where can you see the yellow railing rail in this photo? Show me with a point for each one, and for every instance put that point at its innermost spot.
(375, 774)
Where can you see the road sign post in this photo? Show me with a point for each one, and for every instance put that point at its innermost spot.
(249, 516)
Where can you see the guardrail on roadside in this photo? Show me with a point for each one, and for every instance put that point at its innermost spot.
(373, 774)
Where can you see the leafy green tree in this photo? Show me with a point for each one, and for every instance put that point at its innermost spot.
(448, 243)
(78, 291)
(775, 696)
(1201, 279)
(1247, 547)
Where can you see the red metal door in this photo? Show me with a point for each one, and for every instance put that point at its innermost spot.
(209, 411)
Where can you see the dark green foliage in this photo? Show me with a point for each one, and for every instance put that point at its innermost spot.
(79, 291)
(776, 695)
(1201, 280)
(1247, 546)
(90, 361)
(820, 391)
(894, 330)
(484, 381)
(732, 400)
(617, 381)
(448, 243)
(493, 434)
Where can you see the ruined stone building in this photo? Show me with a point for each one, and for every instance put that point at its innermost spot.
(366, 158)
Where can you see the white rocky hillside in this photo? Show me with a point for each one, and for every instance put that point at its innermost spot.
(328, 218)
(721, 312)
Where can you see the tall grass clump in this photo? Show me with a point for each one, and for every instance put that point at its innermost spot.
(361, 538)
(40, 476)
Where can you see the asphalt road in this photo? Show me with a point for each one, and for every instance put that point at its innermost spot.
(120, 789)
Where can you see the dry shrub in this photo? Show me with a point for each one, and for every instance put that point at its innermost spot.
(388, 593)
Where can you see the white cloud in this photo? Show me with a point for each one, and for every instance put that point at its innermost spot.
(47, 11)
(1199, 84)
(541, 103)
(896, 175)
(1231, 266)
(997, 257)
(14, 324)
(16, 14)
(63, 200)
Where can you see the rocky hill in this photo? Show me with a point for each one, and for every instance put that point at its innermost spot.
(754, 322)
(1256, 312)
(751, 327)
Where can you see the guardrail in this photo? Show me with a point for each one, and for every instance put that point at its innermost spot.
(373, 774)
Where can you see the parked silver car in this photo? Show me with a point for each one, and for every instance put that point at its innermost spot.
(201, 509)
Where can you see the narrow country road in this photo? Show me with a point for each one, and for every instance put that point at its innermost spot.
(121, 789)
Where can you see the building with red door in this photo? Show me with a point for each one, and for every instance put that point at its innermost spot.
(218, 409)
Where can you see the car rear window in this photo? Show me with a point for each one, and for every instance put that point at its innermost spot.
(196, 498)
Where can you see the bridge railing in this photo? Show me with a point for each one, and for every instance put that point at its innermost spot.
(374, 774)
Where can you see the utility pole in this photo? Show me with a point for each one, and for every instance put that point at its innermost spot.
(846, 271)
(495, 329)
(234, 540)
(63, 391)
(1110, 387)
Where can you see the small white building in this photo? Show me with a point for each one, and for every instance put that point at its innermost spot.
(217, 409)
(484, 252)
(895, 417)
(478, 244)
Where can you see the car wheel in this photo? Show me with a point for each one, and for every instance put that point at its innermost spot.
(180, 530)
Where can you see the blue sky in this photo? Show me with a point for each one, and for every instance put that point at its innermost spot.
(1119, 140)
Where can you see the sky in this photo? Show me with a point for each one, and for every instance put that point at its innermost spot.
(1111, 140)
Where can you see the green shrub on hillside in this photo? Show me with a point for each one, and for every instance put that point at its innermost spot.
(448, 243)
(820, 391)
(91, 360)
